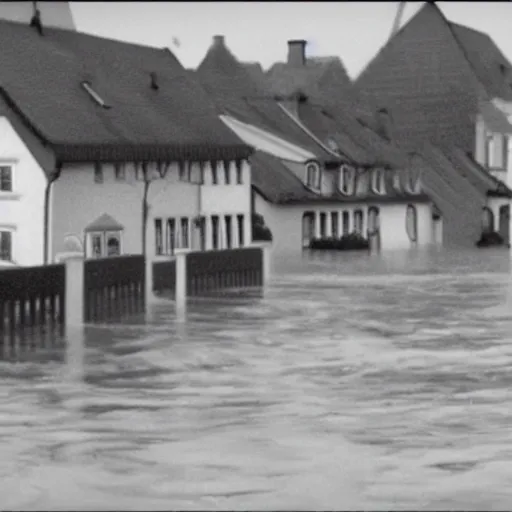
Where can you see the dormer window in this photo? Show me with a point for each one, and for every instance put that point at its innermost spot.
(397, 182)
(347, 180)
(313, 175)
(377, 184)
(94, 95)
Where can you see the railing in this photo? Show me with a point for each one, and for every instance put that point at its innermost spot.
(32, 306)
(212, 271)
(113, 288)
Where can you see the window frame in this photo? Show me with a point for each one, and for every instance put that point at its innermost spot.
(315, 183)
(11, 167)
(378, 182)
(4, 230)
(351, 172)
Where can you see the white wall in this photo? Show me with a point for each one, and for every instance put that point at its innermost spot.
(23, 210)
(285, 222)
(77, 201)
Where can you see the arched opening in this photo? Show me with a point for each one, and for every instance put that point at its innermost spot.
(487, 220)
(411, 222)
(308, 228)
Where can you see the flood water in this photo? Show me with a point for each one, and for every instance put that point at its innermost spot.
(355, 382)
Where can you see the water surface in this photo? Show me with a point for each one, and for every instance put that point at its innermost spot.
(375, 382)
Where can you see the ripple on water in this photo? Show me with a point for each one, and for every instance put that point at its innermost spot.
(350, 384)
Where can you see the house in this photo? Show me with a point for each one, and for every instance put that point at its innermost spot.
(448, 84)
(107, 148)
(470, 199)
(315, 181)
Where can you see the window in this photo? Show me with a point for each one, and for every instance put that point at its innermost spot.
(313, 175)
(119, 171)
(239, 174)
(346, 222)
(229, 235)
(97, 245)
(159, 246)
(411, 222)
(397, 182)
(104, 244)
(334, 224)
(240, 222)
(378, 185)
(184, 227)
(5, 246)
(489, 150)
(214, 173)
(227, 173)
(323, 225)
(5, 178)
(358, 221)
(347, 180)
(215, 232)
(170, 236)
(98, 173)
(113, 244)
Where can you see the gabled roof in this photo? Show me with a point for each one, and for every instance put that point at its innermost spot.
(278, 184)
(359, 142)
(41, 80)
(104, 222)
(286, 80)
(467, 63)
(256, 73)
(236, 93)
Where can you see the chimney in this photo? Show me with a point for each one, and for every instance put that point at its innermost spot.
(36, 21)
(218, 40)
(297, 52)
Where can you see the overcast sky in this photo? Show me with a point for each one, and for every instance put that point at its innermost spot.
(258, 31)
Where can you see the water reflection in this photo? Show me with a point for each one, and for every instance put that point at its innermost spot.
(354, 382)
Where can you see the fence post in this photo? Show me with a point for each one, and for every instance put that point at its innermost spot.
(74, 317)
(74, 292)
(266, 271)
(181, 283)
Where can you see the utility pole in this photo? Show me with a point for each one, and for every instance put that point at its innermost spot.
(398, 19)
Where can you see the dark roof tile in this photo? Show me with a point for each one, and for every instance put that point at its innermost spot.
(236, 93)
(42, 75)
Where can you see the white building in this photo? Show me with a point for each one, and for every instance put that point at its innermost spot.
(85, 124)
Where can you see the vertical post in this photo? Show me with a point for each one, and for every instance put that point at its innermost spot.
(266, 248)
(74, 298)
(328, 225)
(74, 317)
(234, 232)
(181, 284)
(208, 232)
